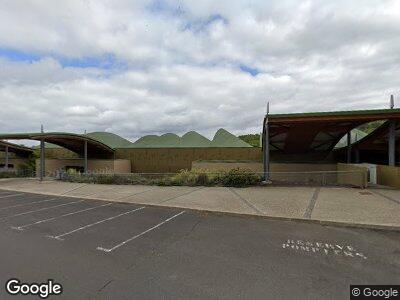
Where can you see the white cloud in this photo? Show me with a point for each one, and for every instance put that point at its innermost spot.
(175, 67)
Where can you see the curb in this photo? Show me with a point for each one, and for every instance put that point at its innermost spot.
(234, 214)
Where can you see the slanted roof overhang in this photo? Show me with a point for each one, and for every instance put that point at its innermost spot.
(378, 139)
(70, 141)
(19, 150)
(312, 132)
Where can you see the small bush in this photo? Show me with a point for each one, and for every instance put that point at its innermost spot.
(202, 179)
(240, 177)
(184, 177)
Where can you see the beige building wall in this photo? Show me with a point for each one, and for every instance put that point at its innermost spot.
(388, 175)
(170, 160)
(94, 165)
(352, 175)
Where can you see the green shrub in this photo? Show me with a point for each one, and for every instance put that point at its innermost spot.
(239, 177)
(236, 177)
(202, 179)
(184, 177)
(7, 174)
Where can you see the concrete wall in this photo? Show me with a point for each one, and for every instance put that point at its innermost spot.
(170, 160)
(388, 175)
(258, 166)
(94, 165)
(318, 174)
(352, 175)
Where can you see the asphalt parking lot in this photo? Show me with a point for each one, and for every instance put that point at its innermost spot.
(107, 250)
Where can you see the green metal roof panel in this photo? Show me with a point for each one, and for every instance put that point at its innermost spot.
(335, 113)
(224, 138)
(110, 139)
(194, 139)
(70, 141)
(168, 140)
(191, 139)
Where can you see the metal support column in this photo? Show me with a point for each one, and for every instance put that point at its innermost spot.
(357, 155)
(266, 146)
(42, 158)
(392, 143)
(6, 162)
(349, 147)
(85, 158)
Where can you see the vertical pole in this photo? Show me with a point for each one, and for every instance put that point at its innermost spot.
(349, 147)
(392, 137)
(86, 159)
(266, 147)
(6, 162)
(357, 155)
(392, 143)
(42, 157)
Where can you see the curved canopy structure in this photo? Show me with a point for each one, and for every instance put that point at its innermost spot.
(305, 133)
(70, 141)
(378, 139)
(19, 150)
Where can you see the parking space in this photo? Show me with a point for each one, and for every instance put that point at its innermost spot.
(106, 249)
(104, 226)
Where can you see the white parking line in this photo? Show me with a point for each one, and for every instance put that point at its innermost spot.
(58, 217)
(12, 195)
(45, 208)
(58, 237)
(23, 204)
(139, 235)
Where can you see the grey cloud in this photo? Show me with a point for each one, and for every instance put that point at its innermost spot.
(313, 55)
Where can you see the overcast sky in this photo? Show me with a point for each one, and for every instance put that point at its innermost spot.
(151, 67)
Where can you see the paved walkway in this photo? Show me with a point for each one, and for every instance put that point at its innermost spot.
(376, 208)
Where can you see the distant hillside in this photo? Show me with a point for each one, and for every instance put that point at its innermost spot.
(369, 127)
(252, 139)
(356, 135)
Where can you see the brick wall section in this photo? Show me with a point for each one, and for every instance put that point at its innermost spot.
(170, 160)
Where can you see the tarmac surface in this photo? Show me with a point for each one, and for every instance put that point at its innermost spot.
(372, 207)
(108, 250)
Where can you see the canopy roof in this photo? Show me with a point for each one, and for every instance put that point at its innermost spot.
(302, 133)
(17, 149)
(70, 141)
(378, 139)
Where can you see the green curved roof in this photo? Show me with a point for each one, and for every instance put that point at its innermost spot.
(192, 139)
(145, 141)
(71, 141)
(224, 138)
(110, 139)
(168, 140)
